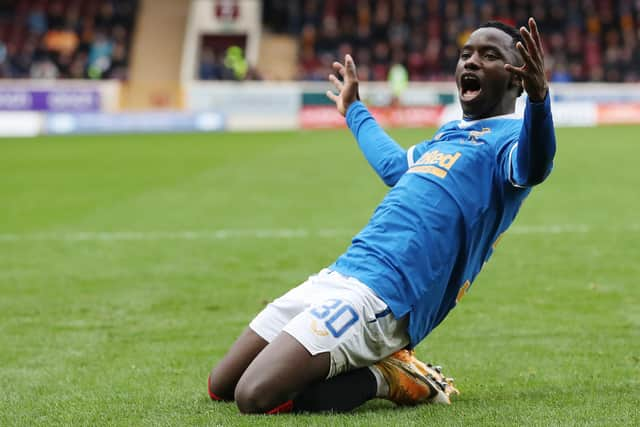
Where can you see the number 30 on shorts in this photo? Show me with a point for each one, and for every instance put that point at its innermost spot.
(339, 316)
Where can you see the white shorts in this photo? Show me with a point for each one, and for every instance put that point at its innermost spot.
(335, 314)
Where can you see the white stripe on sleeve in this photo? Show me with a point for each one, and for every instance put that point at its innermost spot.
(511, 180)
(410, 160)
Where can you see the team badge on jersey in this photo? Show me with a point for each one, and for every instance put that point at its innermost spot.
(475, 134)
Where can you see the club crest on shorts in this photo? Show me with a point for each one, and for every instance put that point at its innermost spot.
(317, 330)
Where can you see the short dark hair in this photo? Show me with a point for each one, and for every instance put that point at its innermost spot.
(509, 30)
(512, 31)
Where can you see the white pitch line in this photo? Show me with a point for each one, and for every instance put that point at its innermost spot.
(223, 234)
(284, 233)
(550, 229)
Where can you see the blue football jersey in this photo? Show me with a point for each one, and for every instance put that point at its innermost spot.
(451, 199)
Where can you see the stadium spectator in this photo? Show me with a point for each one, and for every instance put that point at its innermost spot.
(586, 40)
(105, 18)
(37, 19)
(44, 68)
(100, 55)
(4, 68)
(229, 64)
(55, 15)
(62, 41)
(210, 66)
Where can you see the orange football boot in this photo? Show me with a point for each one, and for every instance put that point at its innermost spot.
(436, 372)
(409, 384)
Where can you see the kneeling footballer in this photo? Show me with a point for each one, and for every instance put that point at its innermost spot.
(346, 334)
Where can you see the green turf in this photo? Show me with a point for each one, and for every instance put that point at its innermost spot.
(120, 326)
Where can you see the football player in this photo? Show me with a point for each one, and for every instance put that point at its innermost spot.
(346, 334)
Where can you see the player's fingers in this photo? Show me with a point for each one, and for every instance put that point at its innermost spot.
(332, 96)
(339, 68)
(525, 55)
(519, 71)
(351, 67)
(533, 26)
(337, 83)
(532, 49)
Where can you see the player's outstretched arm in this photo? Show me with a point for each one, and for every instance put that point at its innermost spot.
(533, 158)
(385, 156)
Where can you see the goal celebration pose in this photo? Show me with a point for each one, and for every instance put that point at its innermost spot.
(346, 334)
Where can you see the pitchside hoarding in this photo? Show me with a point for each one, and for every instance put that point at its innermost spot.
(248, 105)
(52, 100)
(433, 104)
(60, 96)
(29, 108)
(133, 122)
(319, 117)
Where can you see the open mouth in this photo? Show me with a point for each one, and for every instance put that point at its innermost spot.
(470, 87)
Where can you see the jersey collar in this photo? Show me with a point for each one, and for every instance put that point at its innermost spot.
(463, 124)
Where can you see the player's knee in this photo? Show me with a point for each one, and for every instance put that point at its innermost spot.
(253, 397)
(216, 393)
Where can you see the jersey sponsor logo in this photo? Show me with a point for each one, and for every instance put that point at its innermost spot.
(430, 170)
(435, 163)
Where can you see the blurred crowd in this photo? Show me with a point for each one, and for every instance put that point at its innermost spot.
(585, 40)
(48, 39)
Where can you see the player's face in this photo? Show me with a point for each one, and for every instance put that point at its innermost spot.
(485, 88)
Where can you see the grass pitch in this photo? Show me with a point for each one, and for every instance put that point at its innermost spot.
(129, 264)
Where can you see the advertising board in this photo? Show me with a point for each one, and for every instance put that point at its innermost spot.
(54, 99)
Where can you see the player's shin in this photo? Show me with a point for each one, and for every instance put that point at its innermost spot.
(338, 394)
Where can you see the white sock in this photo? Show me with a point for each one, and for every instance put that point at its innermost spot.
(383, 385)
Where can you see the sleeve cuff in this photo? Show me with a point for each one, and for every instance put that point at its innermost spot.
(541, 104)
(542, 107)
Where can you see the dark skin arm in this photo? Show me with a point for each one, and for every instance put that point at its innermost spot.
(532, 72)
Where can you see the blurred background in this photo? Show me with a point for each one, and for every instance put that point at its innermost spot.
(86, 66)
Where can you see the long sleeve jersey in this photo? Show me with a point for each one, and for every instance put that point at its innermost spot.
(451, 199)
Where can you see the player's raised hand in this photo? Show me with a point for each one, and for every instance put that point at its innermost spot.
(532, 72)
(347, 88)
